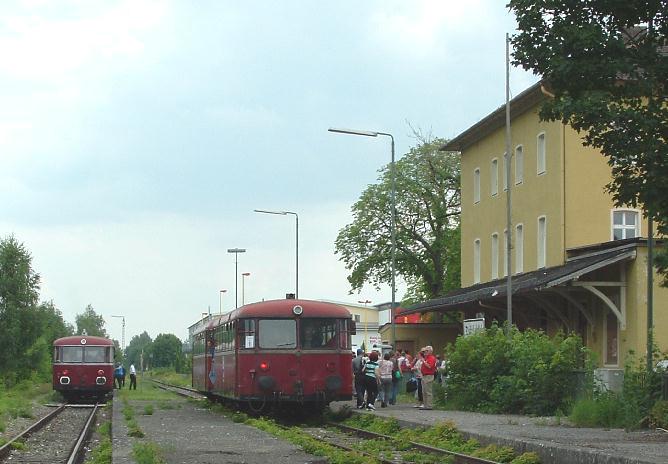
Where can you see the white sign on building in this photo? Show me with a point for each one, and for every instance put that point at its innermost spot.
(473, 325)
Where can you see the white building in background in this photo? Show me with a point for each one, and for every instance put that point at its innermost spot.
(366, 320)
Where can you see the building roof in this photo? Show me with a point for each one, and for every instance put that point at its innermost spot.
(497, 119)
(531, 281)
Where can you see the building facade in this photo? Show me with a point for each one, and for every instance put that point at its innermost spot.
(578, 263)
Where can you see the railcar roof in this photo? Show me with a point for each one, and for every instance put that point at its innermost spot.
(76, 340)
(283, 308)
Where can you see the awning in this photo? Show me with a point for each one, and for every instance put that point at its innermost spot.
(527, 282)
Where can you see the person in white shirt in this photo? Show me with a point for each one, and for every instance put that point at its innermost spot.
(133, 377)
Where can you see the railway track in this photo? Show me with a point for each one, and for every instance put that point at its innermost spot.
(183, 391)
(58, 437)
(350, 439)
(353, 440)
(402, 447)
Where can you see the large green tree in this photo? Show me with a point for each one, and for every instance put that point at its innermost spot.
(167, 351)
(606, 63)
(91, 322)
(19, 322)
(140, 345)
(427, 225)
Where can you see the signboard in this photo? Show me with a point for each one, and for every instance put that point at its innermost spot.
(473, 325)
(250, 341)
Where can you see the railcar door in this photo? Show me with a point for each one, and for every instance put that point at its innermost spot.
(210, 372)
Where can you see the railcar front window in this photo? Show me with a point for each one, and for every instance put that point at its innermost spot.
(318, 334)
(72, 354)
(277, 333)
(94, 354)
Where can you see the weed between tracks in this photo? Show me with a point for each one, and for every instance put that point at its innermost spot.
(443, 435)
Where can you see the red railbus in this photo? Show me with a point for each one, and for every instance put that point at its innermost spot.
(281, 352)
(83, 367)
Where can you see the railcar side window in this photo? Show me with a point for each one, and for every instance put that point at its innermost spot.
(277, 333)
(72, 354)
(344, 335)
(199, 344)
(318, 333)
(246, 334)
(94, 354)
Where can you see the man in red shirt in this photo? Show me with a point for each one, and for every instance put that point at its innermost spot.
(428, 370)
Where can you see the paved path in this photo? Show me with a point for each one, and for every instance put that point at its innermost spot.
(189, 434)
(555, 444)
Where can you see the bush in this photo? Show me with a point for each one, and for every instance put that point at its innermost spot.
(658, 415)
(524, 373)
(631, 408)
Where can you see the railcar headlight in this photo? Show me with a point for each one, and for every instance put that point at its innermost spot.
(297, 310)
(264, 366)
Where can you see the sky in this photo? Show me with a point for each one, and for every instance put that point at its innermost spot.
(137, 138)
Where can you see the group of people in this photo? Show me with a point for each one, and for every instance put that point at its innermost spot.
(119, 377)
(379, 379)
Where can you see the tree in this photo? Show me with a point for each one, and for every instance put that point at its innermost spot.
(19, 326)
(427, 225)
(606, 62)
(167, 351)
(91, 322)
(51, 326)
(139, 344)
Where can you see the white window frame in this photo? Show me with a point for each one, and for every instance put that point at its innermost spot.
(625, 227)
(495, 255)
(541, 154)
(519, 248)
(494, 177)
(476, 261)
(476, 185)
(519, 165)
(541, 242)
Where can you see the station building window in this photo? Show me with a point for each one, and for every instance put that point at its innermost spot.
(625, 224)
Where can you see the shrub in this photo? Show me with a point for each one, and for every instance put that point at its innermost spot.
(526, 372)
(658, 415)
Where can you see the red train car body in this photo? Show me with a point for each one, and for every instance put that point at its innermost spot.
(276, 352)
(83, 366)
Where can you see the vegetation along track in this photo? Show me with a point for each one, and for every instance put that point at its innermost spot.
(58, 437)
(379, 447)
(387, 449)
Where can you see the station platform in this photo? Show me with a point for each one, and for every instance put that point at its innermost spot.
(553, 440)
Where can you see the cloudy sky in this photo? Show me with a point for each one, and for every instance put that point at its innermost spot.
(137, 137)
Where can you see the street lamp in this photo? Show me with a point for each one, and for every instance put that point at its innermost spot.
(284, 213)
(220, 309)
(393, 214)
(243, 287)
(236, 252)
(122, 332)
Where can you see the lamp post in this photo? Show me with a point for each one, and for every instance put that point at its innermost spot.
(285, 213)
(122, 332)
(243, 287)
(236, 252)
(393, 214)
(220, 309)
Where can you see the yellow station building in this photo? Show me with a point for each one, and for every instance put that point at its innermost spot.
(578, 262)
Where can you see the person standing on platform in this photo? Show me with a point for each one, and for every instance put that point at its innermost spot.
(371, 380)
(385, 370)
(428, 370)
(133, 378)
(358, 375)
(416, 369)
